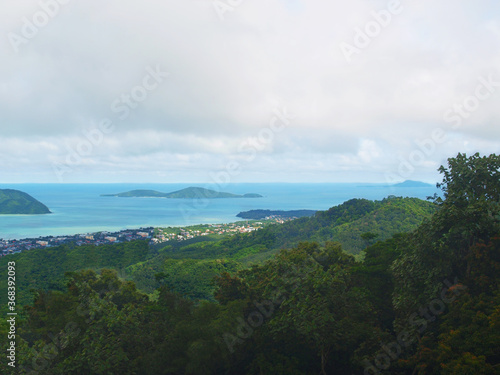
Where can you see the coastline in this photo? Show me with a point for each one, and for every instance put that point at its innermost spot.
(78, 208)
(154, 235)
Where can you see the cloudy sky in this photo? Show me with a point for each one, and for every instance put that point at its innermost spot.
(245, 90)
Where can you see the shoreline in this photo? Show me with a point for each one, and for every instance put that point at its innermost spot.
(154, 234)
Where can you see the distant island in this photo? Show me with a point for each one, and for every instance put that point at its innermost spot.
(15, 202)
(261, 214)
(187, 193)
(413, 184)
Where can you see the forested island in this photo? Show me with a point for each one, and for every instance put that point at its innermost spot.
(187, 193)
(15, 202)
(398, 286)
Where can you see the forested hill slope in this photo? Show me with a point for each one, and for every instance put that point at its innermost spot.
(192, 267)
(15, 202)
(43, 269)
(355, 224)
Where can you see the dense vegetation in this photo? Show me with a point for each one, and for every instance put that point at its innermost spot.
(44, 269)
(15, 202)
(192, 278)
(346, 223)
(189, 267)
(425, 302)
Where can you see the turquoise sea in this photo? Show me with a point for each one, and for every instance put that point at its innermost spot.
(79, 208)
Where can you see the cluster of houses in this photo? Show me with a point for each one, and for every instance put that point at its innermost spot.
(153, 235)
(182, 234)
(16, 246)
(279, 219)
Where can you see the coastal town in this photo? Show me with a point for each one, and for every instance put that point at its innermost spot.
(151, 234)
(182, 234)
(100, 238)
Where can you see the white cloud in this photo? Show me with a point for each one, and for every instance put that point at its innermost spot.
(227, 77)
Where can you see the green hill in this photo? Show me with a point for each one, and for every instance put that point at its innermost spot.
(45, 268)
(15, 202)
(187, 193)
(345, 223)
(191, 266)
(355, 224)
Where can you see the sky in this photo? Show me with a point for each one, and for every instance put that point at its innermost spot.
(245, 90)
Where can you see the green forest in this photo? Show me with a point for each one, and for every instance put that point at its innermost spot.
(398, 286)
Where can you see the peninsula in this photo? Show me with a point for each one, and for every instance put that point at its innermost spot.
(15, 202)
(187, 193)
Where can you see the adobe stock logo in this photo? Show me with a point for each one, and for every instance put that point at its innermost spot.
(123, 105)
(49, 9)
(418, 323)
(460, 111)
(455, 115)
(372, 29)
(248, 149)
(94, 136)
(221, 7)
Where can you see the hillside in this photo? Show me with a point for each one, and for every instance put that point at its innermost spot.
(45, 268)
(191, 266)
(15, 202)
(187, 193)
(192, 278)
(261, 214)
(345, 223)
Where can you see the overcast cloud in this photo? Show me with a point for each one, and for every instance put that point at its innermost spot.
(266, 85)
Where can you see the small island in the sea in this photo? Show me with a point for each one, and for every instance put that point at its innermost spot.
(412, 184)
(187, 193)
(15, 202)
(261, 214)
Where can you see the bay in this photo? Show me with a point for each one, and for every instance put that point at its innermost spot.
(79, 208)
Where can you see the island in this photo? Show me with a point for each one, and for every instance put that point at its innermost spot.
(187, 193)
(412, 184)
(262, 214)
(15, 202)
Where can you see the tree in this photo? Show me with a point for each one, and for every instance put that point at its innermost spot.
(439, 249)
(468, 336)
(469, 180)
(368, 237)
(93, 327)
(315, 303)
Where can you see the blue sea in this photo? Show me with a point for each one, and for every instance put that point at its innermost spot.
(79, 208)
